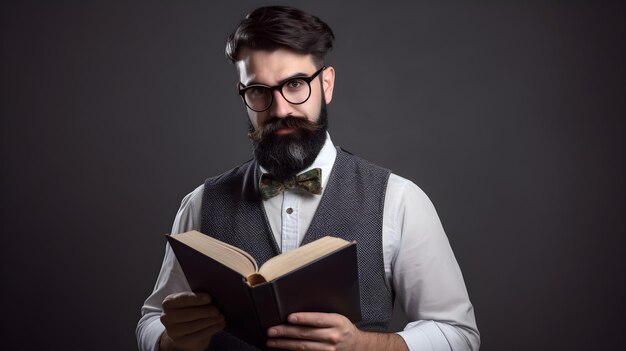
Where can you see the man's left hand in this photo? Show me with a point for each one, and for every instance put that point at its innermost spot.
(315, 331)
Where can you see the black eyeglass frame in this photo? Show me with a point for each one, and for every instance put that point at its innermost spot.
(308, 80)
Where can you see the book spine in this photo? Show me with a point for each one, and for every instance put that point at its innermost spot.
(266, 304)
(254, 333)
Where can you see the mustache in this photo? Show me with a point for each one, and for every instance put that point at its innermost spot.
(275, 123)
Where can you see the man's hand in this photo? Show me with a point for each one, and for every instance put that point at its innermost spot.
(190, 321)
(328, 331)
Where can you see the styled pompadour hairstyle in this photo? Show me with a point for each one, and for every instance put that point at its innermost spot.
(272, 27)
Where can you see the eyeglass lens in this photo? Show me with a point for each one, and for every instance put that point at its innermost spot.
(295, 91)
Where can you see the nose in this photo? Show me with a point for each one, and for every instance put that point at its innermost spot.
(280, 107)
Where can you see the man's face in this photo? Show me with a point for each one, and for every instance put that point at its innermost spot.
(286, 137)
(274, 67)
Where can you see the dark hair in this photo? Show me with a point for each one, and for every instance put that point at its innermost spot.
(273, 27)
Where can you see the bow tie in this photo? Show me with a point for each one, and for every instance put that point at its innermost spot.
(310, 181)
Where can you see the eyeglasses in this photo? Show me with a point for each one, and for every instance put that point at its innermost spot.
(259, 97)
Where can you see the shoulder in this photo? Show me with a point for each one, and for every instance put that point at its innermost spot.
(193, 198)
(193, 201)
(360, 162)
(234, 174)
(187, 217)
(400, 184)
(399, 189)
(403, 193)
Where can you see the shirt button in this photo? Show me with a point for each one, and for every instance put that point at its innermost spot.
(289, 210)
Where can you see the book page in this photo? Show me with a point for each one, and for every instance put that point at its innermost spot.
(228, 255)
(292, 260)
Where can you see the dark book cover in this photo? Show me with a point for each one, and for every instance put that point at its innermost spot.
(328, 284)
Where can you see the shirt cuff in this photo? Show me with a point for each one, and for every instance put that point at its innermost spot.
(424, 335)
(150, 336)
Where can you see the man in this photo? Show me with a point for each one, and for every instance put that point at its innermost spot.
(403, 251)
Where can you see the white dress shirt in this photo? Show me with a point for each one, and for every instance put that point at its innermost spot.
(419, 263)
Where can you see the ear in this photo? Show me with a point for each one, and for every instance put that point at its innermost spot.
(328, 83)
(237, 88)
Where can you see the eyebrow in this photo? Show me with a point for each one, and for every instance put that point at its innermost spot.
(280, 82)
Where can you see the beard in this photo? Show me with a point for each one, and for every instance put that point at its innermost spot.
(285, 155)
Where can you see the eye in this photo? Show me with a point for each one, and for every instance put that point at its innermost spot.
(295, 84)
(255, 91)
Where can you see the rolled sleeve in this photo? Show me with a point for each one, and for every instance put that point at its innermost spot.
(171, 277)
(426, 276)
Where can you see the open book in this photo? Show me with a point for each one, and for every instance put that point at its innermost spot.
(321, 276)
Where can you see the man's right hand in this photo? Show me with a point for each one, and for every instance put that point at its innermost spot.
(190, 321)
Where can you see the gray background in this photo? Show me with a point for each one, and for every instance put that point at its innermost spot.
(510, 115)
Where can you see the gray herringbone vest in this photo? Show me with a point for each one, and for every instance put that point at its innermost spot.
(351, 207)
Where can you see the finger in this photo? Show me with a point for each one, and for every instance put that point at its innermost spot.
(188, 314)
(315, 319)
(324, 335)
(296, 345)
(186, 299)
(179, 330)
(294, 332)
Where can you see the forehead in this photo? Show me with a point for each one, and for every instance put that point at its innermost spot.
(270, 67)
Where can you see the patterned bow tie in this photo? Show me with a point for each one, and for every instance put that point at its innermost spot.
(310, 181)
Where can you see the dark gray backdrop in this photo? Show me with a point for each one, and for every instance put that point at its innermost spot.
(510, 116)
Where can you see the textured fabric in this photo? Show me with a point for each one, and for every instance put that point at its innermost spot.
(419, 263)
(351, 208)
(310, 181)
